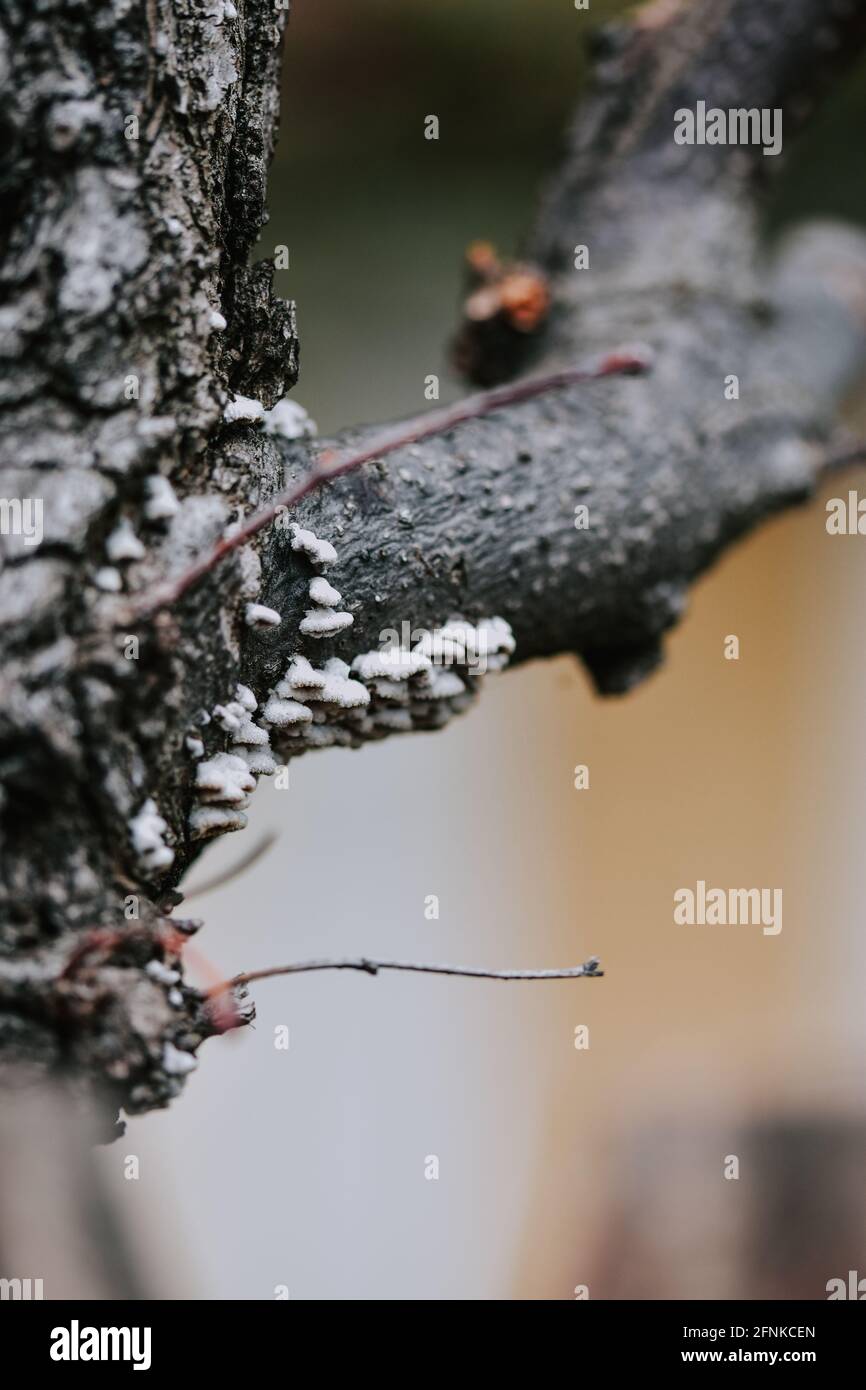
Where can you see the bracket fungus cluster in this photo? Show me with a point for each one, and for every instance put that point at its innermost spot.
(324, 619)
(147, 832)
(224, 781)
(305, 543)
(391, 689)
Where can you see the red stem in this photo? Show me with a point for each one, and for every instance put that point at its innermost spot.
(624, 361)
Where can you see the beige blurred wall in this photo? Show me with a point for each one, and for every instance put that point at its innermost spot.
(747, 773)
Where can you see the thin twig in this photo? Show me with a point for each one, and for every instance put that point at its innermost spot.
(589, 969)
(246, 862)
(624, 361)
(845, 456)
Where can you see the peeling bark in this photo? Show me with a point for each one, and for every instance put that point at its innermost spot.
(122, 257)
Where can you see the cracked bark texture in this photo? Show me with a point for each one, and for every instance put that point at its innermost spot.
(139, 138)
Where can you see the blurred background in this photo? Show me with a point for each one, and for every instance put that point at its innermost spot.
(605, 1166)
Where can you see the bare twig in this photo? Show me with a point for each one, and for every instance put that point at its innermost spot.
(246, 862)
(589, 968)
(625, 361)
(846, 456)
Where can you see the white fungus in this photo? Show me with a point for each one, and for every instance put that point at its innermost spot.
(194, 746)
(347, 694)
(157, 971)
(258, 616)
(217, 320)
(498, 635)
(340, 690)
(258, 760)
(224, 781)
(251, 734)
(445, 685)
(320, 736)
(393, 663)
(323, 593)
(302, 675)
(319, 552)
(392, 692)
(176, 1062)
(284, 713)
(230, 717)
(224, 778)
(146, 831)
(123, 544)
(243, 408)
(161, 502)
(417, 689)
(324, 622)
(290, 420)
(447, 644)
(388, 690)
(397, 721)
(214, 820)
(108, 579)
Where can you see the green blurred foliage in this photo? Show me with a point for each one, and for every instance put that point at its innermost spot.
(501, 74)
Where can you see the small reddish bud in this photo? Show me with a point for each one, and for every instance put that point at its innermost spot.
(525, 299)
(482, 260)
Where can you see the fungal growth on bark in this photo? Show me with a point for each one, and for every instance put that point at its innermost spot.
(160, 654)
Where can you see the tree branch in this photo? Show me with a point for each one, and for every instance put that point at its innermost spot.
(140, 134)
(327, 468)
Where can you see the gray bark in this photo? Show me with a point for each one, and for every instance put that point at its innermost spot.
(117, 252)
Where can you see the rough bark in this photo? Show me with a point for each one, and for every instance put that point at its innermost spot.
(116, 255)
